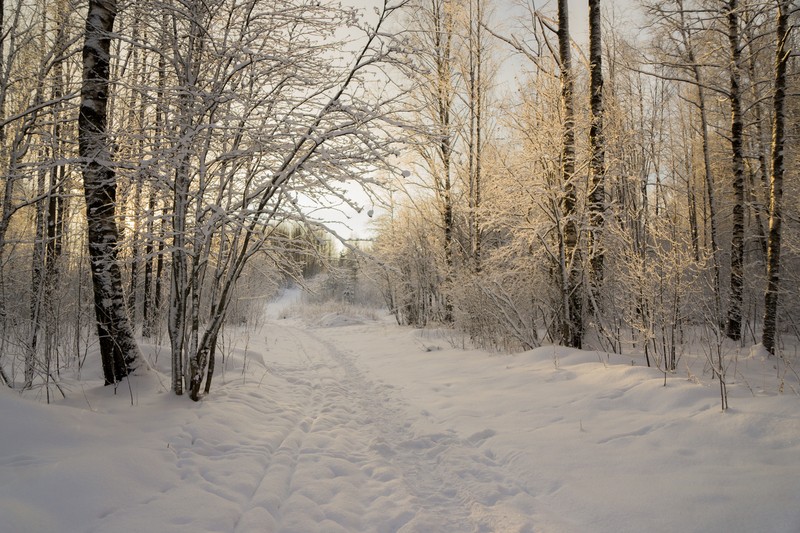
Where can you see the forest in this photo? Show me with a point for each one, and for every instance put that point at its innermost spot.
(167, 166)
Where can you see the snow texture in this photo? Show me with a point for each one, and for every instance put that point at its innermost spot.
(353, 425)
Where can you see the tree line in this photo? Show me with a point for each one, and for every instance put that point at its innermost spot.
(624, 195)
(157, 158)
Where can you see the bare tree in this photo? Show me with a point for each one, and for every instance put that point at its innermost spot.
(254, 118)
(118, 349)
(597, 169)
(734, 327)
(681, 25)
(571, 328)
(782, 52)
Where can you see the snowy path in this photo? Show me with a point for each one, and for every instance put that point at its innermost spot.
(305, 440)
(352, 426)
(353, 458)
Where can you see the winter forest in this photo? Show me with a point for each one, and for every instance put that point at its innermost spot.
(475, 168)
(166, 162)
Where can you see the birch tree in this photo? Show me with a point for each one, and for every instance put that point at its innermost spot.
(437, 121)
(118, 349)
(477, 79)
(734, 326)
(782, 52)
(597, 146)
(571, 328)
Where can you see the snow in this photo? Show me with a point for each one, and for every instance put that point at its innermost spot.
(350, 424)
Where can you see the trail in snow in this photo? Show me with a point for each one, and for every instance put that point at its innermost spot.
(318, 446)
(372, 428)
(356, 429)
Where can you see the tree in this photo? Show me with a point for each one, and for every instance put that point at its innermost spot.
(258, 119)
(476, 78)
(571, 328)
(597, 146)
(118, 349)
(734, 327)
(782, 52)
(437, 121)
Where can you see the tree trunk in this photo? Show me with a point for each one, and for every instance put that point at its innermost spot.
(572, 321)
(475, 104)
(135, 249)
(147, 314)
(179, 290)
(152, 294)
(734, 327)
(118, 349)
(776, 180)
(56, 201)
(597, 146)
(37, 281)
(443, 43)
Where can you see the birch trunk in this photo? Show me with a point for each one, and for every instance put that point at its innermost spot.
(597, 146)
(475, 81)
(572, 321)
(118, 349)
(443, 21)
(776, 179)
(734, 327)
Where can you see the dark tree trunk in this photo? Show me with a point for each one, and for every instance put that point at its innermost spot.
(572, 321)
(776, 180)
(734, 327)
(147, 314)
(597, 146)
(118, 349)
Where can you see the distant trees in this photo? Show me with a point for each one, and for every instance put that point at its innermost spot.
(625, 203)
(619, 198)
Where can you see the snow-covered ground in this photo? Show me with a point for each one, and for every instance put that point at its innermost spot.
(356, 425)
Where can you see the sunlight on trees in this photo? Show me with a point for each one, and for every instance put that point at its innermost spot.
(626, 194)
